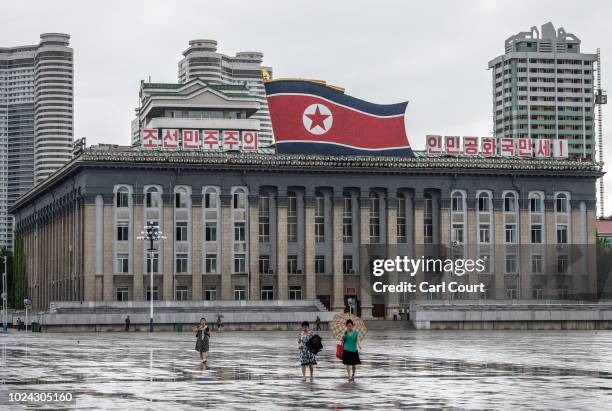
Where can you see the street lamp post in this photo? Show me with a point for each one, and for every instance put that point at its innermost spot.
(151, 234)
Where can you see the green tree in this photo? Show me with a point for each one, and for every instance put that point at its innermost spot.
(17, 277)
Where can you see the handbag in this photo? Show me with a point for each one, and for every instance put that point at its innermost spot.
(339, 351)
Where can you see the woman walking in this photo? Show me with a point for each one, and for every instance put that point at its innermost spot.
(203, 336)
(351, 342)
(306, 357)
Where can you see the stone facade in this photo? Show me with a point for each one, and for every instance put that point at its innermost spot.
(258, 227)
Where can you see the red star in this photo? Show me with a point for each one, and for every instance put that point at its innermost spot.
(317, 119)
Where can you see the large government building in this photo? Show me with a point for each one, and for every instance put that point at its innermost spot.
(241, 226)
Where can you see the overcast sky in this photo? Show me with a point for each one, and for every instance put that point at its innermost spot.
(433, 53)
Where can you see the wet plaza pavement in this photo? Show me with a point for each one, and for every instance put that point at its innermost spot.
(258, 370)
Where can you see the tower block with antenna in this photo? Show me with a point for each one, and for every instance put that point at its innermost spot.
(600, 99)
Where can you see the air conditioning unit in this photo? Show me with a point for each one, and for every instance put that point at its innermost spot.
(298, 272)
(270, 271)
(456, 243)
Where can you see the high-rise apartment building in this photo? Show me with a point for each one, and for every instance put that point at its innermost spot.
(543, 87)
(36, 117)
(201, 60)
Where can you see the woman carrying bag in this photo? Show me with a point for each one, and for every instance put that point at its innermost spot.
(351, 342)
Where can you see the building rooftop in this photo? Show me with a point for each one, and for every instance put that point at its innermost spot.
(604, 226)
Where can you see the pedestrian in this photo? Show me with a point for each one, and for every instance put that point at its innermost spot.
(18, 323)
(318, 322)
(219, 322)
(306, 357)
(203, 336)
(350, 357)
(127, 323)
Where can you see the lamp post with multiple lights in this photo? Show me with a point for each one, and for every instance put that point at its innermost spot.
(151, 234)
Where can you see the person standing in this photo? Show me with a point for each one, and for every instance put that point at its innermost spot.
(318, 323)
(127, 323)
(351, 342)
(203, 338)
(219, 322)
(306, 357)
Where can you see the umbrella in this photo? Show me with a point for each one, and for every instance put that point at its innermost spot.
(338, 325)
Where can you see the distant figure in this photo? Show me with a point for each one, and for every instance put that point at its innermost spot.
(203, 339)
(219, 322)
(127, 323)
(350, 357)
(318, 323)
(306, 357)
(18, 324)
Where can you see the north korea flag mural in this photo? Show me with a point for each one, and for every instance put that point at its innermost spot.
(312, 118)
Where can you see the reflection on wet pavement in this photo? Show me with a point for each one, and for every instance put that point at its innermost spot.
(258, 370)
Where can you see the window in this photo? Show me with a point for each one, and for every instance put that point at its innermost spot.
(211, 263)
(510, 264)
(264, 264)
(292, 217)
(264, 219)
(537, 293)
(510, 237)
(239, 232)
(347, 264)
(122, 231)
(509, 203)
(122, 201)
(457, 233)
(402, 235)
(319, 218)
(457, 202)
(122, 294)
(267, 293)
(211, 231)
(561, 203)
(239, 201)
(483, 203)
(181, 293)
(122, 263)
(511, 293)
(486, 262)
(374, 219)
(152, 198)
(292, 264)
(535, 203)
(536, 264)
(210, 199)
(428, 219)
(561, 234)
(239, 293)
(536, 234)
(295, 292)
(181, 263)
(155, 293)
(210, 293)
(180, 198)
(320, 264)
(484, 234)
(239, 263)
(155, 262)
(347, 219)
(562, 263)
(181, 231)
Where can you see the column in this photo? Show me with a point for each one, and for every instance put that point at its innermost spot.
(496, 264)
(338, 253)
(419, 238)
(365, 290)
(138, 293)
(196, 247)
(309, 245)
(109, 258)
(167, 246)
(254, 246)
(524, 249)
(226, 247)
(281, 246)
(392, 299)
